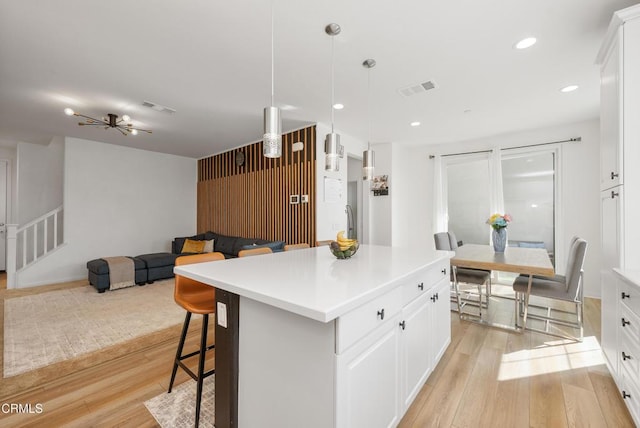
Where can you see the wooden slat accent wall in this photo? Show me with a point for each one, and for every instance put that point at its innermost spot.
(252, 200)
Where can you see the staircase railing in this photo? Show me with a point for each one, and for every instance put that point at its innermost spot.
(29, 243)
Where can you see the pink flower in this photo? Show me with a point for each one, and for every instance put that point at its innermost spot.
(507, 217)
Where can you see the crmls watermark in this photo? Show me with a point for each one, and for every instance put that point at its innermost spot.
(11, 408)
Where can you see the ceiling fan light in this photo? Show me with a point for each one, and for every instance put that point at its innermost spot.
(69, 112)
(134, 132)
(126, 118)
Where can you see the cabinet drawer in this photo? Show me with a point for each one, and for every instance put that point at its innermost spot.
(630, 296)
(354, 325)
(629, 323)
(629, 391)
(629, 356)
(422, 282)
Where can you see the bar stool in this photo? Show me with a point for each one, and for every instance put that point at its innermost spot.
(196, 298)
(254, 252)
(291, 247)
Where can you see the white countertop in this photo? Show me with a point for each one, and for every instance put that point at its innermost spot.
(630, 275)
(312, 282)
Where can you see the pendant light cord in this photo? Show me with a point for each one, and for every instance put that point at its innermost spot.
(272, 55)
(369, 105)
(332, 82)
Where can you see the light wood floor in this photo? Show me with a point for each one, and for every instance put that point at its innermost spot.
(487, 378)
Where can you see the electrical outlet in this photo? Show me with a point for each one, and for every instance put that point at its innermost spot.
(304, 199)
(221, 314)
(294, 199)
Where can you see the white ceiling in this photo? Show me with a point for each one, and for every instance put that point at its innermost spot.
(210, 60)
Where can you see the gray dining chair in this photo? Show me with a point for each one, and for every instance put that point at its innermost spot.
(567, 288)
(447, 241)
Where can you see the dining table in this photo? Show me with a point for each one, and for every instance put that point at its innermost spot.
(522, 260)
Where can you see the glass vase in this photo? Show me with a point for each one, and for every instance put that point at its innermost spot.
(499, 238)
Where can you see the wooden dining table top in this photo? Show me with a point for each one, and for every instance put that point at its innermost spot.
(528, 261)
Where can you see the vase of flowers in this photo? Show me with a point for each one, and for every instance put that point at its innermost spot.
(499, 223)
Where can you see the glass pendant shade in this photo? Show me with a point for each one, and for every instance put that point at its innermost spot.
(332, 152)
(368, 164)
(272, 138)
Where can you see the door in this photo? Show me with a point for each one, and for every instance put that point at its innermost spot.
(3, 214)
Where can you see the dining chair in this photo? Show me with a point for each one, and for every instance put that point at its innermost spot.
(447, 241)
(254, 252)
(323, 243)
(567, 288)
(196, 298)
(301, 246)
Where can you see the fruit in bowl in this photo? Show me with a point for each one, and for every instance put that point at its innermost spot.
(342, 247)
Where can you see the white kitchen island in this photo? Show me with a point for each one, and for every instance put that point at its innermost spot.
(306, 340)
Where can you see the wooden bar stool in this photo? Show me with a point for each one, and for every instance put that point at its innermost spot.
(254, 252)
(291, 247)
(196, 298)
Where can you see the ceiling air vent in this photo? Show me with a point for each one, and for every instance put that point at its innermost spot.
(417, 88)
(158, 107)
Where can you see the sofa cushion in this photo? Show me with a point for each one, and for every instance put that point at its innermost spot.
(155, 260)
(193, 246)
(225, 244)
(178, 243)
(276, 246)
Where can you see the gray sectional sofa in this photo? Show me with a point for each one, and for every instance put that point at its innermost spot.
(155, 266)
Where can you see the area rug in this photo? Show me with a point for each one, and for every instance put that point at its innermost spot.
(47, 328)
(178, 409)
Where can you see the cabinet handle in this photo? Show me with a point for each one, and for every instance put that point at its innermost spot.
(437, 297)
(381, 313)
(614, 194)
(624, 295)
(625, 322)
(444, 271)
(613, 175)
(402, 324)
(625, 395)
(625, 357)
(421, 286)
(433, 298)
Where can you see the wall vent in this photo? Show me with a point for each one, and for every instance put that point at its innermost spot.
(158, 107)
(417, 88)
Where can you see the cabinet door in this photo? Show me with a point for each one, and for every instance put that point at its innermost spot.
(610, 258)
(440, 321)
(416, 337)
(611, 120)
(367, 390)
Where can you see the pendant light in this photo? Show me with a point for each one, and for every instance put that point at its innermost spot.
(272, 138)
(368, 156)
(332, 147)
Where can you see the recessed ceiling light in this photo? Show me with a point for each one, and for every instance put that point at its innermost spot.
(569, 88)
(526, 43)
(338, 106)
(415, 123)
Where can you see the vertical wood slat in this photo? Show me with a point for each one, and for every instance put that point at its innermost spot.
(252, 200)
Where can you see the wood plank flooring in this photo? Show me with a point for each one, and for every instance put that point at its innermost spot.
(487, 378)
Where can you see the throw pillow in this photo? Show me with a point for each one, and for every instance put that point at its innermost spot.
(208, 246)
(191, 246)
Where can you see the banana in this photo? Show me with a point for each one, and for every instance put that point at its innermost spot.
(344, 243)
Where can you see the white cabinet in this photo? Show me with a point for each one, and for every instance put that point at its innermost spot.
(619, 58)
(628, 340)
(369, 380)
(380, 375)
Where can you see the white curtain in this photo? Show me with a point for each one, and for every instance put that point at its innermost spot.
(496, 194)
(440, 211)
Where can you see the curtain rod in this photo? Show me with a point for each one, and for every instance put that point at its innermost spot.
(570, 140)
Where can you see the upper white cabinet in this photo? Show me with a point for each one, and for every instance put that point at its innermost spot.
(619, 57)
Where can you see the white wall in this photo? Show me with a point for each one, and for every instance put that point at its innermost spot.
(117, 201)
(579, 180)
(380, 207)
(331, 216)
(40, 171)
